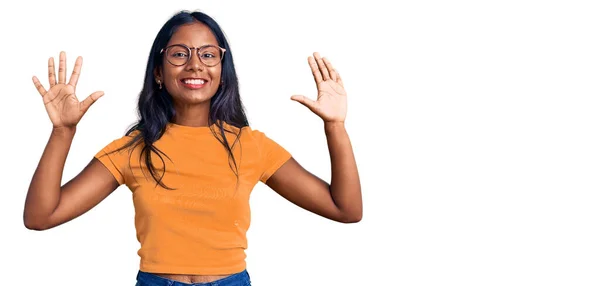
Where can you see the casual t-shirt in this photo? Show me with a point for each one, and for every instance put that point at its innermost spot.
(199, 228)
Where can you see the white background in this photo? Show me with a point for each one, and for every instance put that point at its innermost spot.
(474, 123)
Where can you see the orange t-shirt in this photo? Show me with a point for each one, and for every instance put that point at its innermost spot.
(199, 228)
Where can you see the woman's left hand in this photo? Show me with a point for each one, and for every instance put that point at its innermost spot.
(331, 101)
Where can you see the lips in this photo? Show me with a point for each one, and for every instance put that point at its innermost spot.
(194, 83)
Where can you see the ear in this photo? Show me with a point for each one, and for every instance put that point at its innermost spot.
(157, 74)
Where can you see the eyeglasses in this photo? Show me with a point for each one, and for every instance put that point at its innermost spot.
(180, 54)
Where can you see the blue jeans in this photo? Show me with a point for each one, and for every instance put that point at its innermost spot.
(149, 279)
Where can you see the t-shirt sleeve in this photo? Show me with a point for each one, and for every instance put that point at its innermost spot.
(115, 162)
(273, 156)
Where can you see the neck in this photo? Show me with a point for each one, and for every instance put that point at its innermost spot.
(193, 116)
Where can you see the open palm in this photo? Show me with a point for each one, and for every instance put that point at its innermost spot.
(62, 105)
(331, 104)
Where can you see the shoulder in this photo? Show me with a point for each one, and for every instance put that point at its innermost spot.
(120, 142)
(255, 133)
(128, 137)
(263, 141)
(246, 133)
(256, 136)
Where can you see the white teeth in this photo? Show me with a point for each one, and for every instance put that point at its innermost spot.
(194, 81)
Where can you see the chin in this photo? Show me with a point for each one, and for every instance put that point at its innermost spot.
(198, 99)
(195, 97)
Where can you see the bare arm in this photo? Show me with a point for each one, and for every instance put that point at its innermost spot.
(342, 200)
(47, 203)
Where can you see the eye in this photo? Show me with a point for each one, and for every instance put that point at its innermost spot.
(208, 55)
(179, 55)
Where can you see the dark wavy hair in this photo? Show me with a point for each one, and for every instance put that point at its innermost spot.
(155, 106)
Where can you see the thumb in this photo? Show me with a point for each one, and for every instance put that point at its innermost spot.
(311, 104)
(86, 103)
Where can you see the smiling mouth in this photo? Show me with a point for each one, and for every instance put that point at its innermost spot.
(193, 83)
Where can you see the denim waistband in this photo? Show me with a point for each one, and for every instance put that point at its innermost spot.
(149, 279)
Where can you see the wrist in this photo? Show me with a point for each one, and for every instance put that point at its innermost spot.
(64, 131)
(332, 125)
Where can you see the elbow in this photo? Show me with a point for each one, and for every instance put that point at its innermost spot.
(33, 224)
(354, 218)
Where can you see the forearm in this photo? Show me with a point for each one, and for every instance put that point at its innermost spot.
(44, 191)
(345, 183)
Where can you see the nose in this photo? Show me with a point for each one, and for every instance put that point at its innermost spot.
(195, 63)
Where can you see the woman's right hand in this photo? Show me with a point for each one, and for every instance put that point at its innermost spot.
(62, 105)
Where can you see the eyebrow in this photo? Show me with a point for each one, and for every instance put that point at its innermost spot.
(217, 45)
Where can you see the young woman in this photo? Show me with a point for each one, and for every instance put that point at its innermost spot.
(191, 160)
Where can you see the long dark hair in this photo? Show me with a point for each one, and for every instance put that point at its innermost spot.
(155, 106)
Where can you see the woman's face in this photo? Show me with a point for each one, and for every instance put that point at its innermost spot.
(193, 82)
